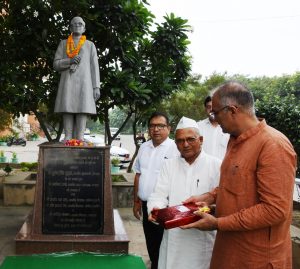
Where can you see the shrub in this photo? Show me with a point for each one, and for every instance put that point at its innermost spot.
(29, 166)
(7, 169)
(115, 161)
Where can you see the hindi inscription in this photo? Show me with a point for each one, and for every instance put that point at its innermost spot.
(73, 191)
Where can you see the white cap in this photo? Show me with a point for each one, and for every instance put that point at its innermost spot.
(186, 123)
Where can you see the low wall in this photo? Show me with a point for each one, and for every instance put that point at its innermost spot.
(122, 192)
(19, 189)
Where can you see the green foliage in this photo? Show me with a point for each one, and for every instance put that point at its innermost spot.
(7, 169)
(14, 155)
(5, 138)
(115, 161)
(188, 101)
(95, 126)
(1, 153)
(29, 166)
(117, 116)
(282, 113)
(118, 178)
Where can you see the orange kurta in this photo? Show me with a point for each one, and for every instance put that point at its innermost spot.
(254, 202)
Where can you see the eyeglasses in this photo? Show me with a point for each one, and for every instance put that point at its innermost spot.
(189, 140)
(158, 126)
(214, 113)
(77, 24)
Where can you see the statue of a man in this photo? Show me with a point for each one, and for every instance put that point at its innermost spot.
(79, 87)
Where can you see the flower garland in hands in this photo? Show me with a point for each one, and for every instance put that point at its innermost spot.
(71, 50)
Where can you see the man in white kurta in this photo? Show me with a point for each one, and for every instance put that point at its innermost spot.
(214, 140)
(193, 173)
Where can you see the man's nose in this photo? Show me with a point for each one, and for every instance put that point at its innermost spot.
(185, 143)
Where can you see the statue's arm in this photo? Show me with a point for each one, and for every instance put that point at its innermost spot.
(96, 94)
(95, 72)
(61, 61)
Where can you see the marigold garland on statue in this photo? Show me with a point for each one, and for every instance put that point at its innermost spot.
(71, 50)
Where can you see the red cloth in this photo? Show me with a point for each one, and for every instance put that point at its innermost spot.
(175, 216)
(254, 201)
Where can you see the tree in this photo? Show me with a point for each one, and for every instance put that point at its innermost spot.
(5, 120)
(189, 100)
(280, 107)
(137, 66)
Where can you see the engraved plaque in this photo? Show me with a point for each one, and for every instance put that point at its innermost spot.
(73, 191)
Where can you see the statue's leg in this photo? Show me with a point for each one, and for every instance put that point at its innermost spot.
(80, 125)
(68, 125)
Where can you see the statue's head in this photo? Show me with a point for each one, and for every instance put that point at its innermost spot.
(77, 25)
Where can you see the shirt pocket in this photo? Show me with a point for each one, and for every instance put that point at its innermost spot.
(235, 183)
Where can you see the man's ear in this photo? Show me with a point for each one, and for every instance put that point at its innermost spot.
(233, 109)
(201, 138)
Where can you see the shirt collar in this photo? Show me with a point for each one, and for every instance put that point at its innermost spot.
(251, 132)
(164, 143)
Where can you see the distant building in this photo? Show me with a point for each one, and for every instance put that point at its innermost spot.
(24, 126)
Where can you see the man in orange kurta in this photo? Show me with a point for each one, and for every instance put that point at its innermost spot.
(254, 199)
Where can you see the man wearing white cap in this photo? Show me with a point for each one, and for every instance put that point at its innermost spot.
(194, 172)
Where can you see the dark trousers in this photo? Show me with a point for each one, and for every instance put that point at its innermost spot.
(153, 234)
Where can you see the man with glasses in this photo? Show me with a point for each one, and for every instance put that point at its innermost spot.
(192, 173)
(79, 86)
(150, 158)
(255, 196)
(214, 140)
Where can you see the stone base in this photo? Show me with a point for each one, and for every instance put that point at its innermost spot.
(28, 243)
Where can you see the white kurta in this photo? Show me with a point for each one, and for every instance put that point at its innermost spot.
(75, 91)
(178, 181)
(214, 140)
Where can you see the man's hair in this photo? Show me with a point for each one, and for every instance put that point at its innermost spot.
(159, 114)
(207, 99)
(235, 93)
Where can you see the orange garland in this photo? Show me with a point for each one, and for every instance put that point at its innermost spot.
(71, 51)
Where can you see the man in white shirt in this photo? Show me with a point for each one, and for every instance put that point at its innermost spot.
(180, 178)
(150, 158)
(214, 140)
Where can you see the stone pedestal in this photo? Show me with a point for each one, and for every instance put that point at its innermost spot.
(73, 204)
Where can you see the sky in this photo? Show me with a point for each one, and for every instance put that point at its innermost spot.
(249, 37)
